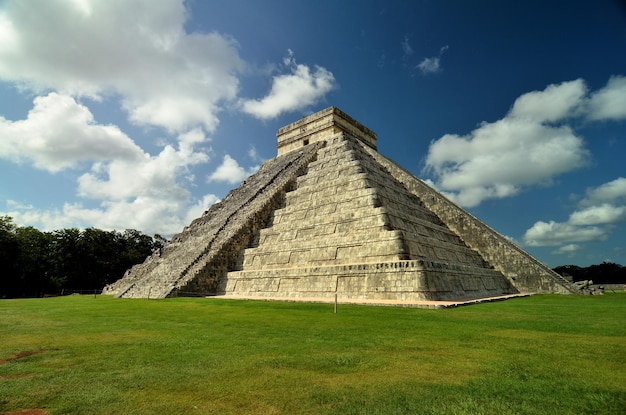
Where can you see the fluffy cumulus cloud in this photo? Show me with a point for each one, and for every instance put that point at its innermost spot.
(295, 90)
(609, 103)
(50, 219)
(598, 215)
(60, 133)
(601, 209)
(125, 186)
(554, 103)
(137, 50)
(555, 233)
(611, 192)
(152, 176)
(150, 215)
(531, 145)
(230, 172)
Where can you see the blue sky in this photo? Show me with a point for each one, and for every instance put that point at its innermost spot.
(140, 114)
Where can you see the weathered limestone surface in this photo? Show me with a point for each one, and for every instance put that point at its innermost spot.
(331, 216)
(350, 228)
(319, 127)
(412, 280)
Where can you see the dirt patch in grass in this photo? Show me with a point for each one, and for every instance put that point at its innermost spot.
(14, 377)
(20, 355)
(17, 356)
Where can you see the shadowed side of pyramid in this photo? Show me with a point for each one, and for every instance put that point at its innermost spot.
(330, 217)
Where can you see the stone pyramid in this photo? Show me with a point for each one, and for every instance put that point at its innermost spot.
(330, 216)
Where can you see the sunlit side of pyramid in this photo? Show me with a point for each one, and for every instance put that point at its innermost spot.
(330, 217)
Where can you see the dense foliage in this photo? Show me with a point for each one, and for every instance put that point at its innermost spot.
(34, 263)
(604, 273)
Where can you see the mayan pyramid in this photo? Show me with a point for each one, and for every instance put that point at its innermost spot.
(331, 217)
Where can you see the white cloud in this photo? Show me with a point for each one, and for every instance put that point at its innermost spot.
(155, 198)
(555, 233)
(600, 211)
(429, 65)
(149, 214)
(522, 149)
(165, 216)
(144, 196)
(569, 250)
(137, 50)
(554, 103)
(296, 90)
(59, 133)
(45, 220)
(609, 103)
(498, 159)
(130, 188)
(253, 154)
(433, 64)
(598, 215)
(530, 146)
(151, 176)
(230, 172)
(611, 192)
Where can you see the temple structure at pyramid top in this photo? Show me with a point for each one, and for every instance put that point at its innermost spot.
(320, 127)
(330, 217)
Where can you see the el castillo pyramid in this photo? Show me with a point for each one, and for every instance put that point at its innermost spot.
(330, 216)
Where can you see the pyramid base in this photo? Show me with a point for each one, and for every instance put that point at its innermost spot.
(411, 280)
(430, 304)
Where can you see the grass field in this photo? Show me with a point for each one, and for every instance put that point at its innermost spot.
(537, 355)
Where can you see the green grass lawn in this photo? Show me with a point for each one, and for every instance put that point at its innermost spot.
(544, 354)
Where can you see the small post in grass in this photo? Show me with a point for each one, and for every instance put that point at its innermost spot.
(335, 303)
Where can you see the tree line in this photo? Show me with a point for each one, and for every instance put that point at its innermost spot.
(35, 263)
(604, 273)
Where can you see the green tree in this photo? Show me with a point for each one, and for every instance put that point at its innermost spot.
(101, 257)
(33, 261)
(65, 258)
(138, 246)
(9, 250)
